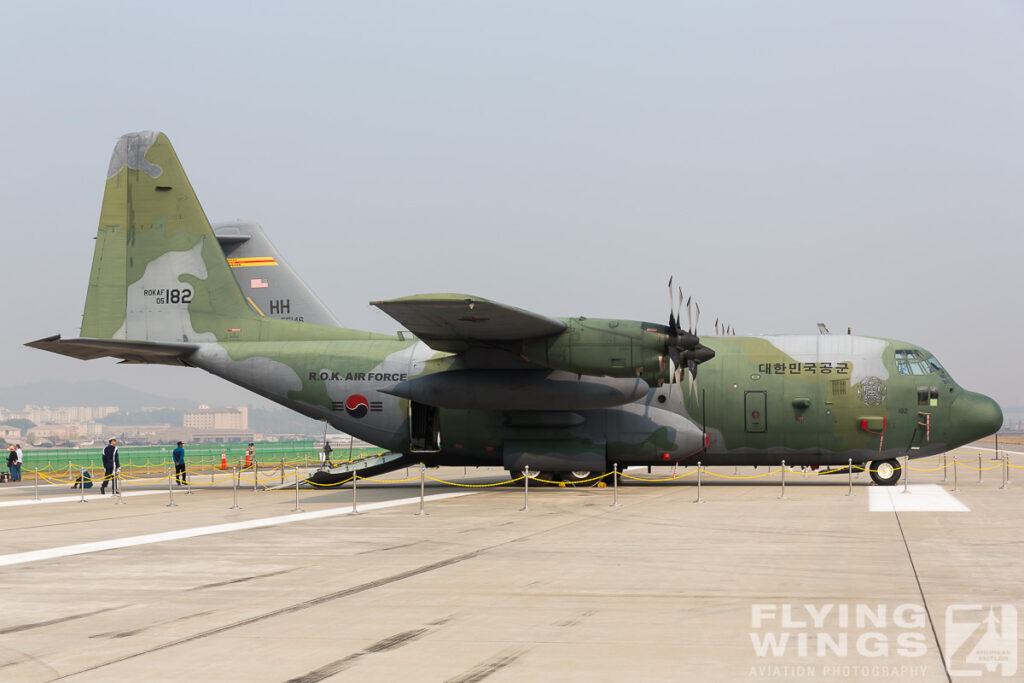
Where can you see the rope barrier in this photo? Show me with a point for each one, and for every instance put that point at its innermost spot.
(129, 474)
(978, 469)
(731, 476)
(480, 486)
(673, 478)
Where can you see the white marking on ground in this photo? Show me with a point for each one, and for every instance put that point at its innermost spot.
(991, 450)
(28, 486)
(145, 539)
(69, 499)
(921, 498)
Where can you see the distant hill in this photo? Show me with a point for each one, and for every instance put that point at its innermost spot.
(88, 393)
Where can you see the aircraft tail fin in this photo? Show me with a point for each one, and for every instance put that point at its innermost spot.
(158, 271)
(270, 285)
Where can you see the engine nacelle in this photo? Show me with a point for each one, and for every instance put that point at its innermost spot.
(613, 348)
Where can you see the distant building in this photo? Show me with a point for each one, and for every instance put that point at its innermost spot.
(223, 436)
(206, 419)
(61, 415)
(9, 433)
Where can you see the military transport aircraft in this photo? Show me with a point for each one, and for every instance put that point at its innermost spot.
(482, 383)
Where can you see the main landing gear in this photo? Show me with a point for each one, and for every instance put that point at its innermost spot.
(886, 472)
(579, 479)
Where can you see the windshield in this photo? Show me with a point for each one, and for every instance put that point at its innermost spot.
(916, 362)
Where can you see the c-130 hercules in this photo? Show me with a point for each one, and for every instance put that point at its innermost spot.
(483, 383)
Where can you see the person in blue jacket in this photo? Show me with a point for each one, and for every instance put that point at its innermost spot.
(111, 462)
(179, 464)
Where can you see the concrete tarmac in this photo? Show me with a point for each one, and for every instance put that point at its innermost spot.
(820, 586)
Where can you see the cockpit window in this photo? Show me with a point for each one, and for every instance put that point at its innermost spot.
(912, 362)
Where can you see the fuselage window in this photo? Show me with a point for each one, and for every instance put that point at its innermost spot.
(928, 396)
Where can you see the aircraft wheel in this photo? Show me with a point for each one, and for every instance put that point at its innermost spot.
(886, 472)
(580, 478)
(517, 478)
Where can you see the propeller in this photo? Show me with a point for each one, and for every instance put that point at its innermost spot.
(684, 347)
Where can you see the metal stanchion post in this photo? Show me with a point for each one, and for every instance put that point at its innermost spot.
(526, 490)
(255, 476)
(37, 485)
(234, 489)
(282, 471)
(69, 469)
(355, 508)
(1006, 474)
(782, 469)
(699, 499)
(979, 468)
(906, 474)
(615, 485)
(736, 470)
(170, 491)
(943, 468)
(423, 474)
(297, 508)
(188, 479)
(1006, 463)
(120, 493)
(955, 487)
(81, 484)
(849, 473)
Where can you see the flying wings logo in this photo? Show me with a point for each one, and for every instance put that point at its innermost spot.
(357, 406)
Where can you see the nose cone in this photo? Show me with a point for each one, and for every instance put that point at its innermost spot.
(975, 416)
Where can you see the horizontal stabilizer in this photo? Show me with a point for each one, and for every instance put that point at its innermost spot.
(163, 353)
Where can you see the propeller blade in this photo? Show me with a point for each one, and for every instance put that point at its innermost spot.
(671, 306)
(696, 324)
(716, 327)
(689, 316)
(679, 307)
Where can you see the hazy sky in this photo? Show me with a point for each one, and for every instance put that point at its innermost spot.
(855, 163)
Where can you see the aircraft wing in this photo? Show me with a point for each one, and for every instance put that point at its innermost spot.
(453, 322)
(163, 353)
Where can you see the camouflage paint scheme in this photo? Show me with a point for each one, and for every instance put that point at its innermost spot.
(494, 384)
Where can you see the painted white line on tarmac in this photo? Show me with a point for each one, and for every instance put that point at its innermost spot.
(113, 544)
(29, 486)
(990, 450)
(71, 499)
(921, 498)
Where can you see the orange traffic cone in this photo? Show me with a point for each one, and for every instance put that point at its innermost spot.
(223, 460)
(248, 463)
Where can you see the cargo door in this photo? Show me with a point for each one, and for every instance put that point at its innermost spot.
(424, 428)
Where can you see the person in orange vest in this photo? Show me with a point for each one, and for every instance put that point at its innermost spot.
(250, 456)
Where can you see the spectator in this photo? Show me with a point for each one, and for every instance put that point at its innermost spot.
(12, 461)
(111, 462)
(179, 464)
